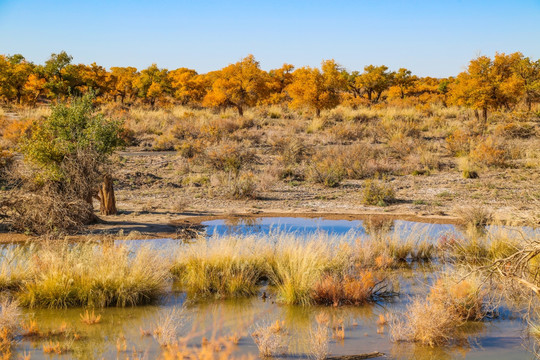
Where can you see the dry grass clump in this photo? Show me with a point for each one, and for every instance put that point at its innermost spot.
(167, 326)
(436, 320)
(475, 216)
(14, 266)
(59, 275)
(222, 266)
(269, 341)
(299, 264)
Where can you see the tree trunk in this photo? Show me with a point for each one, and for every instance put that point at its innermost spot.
(485, 114)
(240, 110)
(318, 112)
(106, 197)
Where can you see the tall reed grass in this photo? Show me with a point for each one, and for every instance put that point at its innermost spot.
(59, 275)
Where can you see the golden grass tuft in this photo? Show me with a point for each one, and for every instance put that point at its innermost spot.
(59, 275)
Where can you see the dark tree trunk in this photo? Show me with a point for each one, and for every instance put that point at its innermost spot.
(318, 112)
(240, 110)
(106, 197)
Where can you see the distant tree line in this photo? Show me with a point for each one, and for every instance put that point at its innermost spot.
(502, 82)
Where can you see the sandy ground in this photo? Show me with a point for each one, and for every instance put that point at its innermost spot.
(153, 197)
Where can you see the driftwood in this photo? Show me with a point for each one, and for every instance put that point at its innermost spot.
(356, 357)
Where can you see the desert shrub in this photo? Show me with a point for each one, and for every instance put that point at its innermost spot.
(425, 322)
(458, 143)
(242, 186)
(515, 130)
(165, 142)
(230, 157)
(377, 193)
(324, 169)
(490, 152)
(347, 131)
(189, 149)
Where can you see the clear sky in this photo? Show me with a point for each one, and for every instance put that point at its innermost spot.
(435, 38)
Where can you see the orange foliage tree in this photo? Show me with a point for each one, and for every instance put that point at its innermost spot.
(238, 85)
(317, 89)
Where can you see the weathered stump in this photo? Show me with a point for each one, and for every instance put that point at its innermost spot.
(106, 197)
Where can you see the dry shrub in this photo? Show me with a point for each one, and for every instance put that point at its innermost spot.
(426, 323)
(453, 300)
(377, 193)
(319, 338)
(346, 290)
(190, 148)
(49, 206)
(269, 342)
(475, 216)
(167, 326)
(491, 152)
(229, 156)
(459, 142)
(242, 186)
(165, 142)
(515, 130)
(324, 169)
(347, 131)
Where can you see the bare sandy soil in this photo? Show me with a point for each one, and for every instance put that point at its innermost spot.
(154, 199)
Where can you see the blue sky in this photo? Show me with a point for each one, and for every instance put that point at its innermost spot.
(435, 38)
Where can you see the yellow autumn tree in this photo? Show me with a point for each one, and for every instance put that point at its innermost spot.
(317, 89)
(278, 80)
(238, 85)
(374, 81)
(152, 84)
(122, 81)
(188, 87)
(488, 84)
